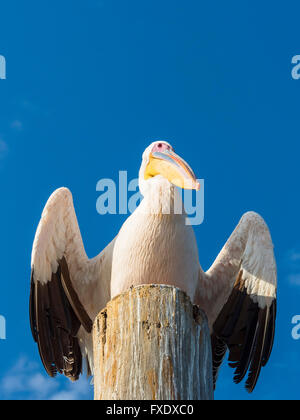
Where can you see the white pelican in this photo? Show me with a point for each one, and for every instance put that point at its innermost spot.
(154, 245)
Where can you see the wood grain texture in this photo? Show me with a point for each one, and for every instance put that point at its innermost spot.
(152, 343)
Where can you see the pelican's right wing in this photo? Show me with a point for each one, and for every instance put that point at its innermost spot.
(62, 281)
(238, 294)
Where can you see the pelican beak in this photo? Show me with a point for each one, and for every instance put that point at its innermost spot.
(173, 168)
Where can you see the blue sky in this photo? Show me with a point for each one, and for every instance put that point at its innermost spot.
(90, 84)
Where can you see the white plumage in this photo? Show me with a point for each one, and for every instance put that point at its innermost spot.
(154, 245)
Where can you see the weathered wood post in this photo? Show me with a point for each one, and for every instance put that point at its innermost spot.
(151, 343)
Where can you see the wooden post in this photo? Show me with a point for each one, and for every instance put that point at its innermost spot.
(151, 343)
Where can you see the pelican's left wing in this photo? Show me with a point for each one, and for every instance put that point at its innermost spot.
(60, 282)
(238, 294)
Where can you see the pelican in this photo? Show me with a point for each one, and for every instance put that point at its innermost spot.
(154, 245)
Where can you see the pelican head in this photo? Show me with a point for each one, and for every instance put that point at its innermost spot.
(161, 162)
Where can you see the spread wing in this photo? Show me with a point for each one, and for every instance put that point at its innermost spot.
(62, 282)
(239, 295)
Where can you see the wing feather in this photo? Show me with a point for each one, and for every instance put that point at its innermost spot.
(55, 326)
(56, 311)
(72, 296)
(239, 295)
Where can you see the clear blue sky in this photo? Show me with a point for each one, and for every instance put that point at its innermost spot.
(90, 84)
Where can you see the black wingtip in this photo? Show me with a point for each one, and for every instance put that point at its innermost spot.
(248, 331)
(54, 326)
